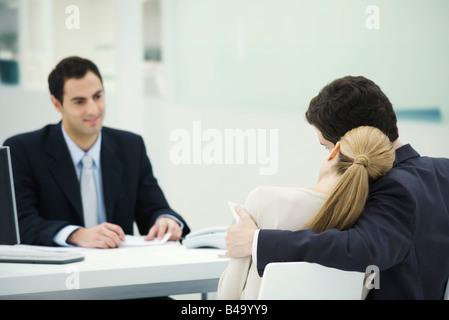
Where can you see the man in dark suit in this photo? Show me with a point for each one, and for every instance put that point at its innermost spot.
(403, 230)
(49, 172)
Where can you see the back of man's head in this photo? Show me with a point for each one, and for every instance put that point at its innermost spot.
(348, 103)
(68, 68)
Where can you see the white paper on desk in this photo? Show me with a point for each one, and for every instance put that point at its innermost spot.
(138, 241)
(234, 213)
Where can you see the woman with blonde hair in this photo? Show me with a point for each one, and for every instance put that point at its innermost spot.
(363, 155)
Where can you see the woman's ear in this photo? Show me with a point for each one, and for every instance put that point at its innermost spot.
(334, 151)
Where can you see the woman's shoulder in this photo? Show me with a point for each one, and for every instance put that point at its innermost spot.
(282, 207)
(286, 192)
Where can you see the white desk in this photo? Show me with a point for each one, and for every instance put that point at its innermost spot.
(124, 273)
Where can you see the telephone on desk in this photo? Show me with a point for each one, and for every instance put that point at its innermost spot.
(213, 237)
(206, 238)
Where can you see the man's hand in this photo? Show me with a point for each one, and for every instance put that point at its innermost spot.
(239, 238)
(105, 235)
(163, 226)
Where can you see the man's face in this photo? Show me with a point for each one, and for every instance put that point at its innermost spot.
(326, 143)
(83, 107)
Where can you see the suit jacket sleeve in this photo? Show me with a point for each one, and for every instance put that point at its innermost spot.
(381, 236)
(34, 228)
(151, 201)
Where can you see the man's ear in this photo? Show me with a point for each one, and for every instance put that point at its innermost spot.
(334, 151)
(56, 103)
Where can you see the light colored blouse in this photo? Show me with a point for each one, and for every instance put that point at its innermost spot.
(271, 208)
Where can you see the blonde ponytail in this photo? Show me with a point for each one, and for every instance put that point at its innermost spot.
(365, 155)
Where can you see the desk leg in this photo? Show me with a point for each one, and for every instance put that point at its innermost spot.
(209, 296)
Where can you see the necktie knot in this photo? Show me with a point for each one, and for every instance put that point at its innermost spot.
(87, 161)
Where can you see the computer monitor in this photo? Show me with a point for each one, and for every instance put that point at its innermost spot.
(9, 226)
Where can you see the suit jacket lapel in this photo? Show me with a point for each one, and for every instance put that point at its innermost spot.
(111, 172)
(61, 166)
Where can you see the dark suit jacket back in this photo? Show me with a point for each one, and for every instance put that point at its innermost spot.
(404, 231)
(48, 191)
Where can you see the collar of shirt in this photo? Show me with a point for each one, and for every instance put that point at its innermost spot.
(77, 153)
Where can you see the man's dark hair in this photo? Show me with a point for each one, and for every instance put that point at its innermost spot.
(348, 103)
(68, 68)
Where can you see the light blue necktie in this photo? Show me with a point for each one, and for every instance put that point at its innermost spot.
(88, 193)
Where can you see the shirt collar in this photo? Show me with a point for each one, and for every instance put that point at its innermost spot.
(77, 153)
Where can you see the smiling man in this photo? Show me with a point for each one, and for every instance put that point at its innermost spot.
(79, 183)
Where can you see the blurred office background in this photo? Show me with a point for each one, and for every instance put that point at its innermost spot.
(248, 64)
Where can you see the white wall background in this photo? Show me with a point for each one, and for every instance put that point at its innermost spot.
(235, 64)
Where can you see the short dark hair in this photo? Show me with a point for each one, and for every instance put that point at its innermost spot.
(68, 68)
(348, 103)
